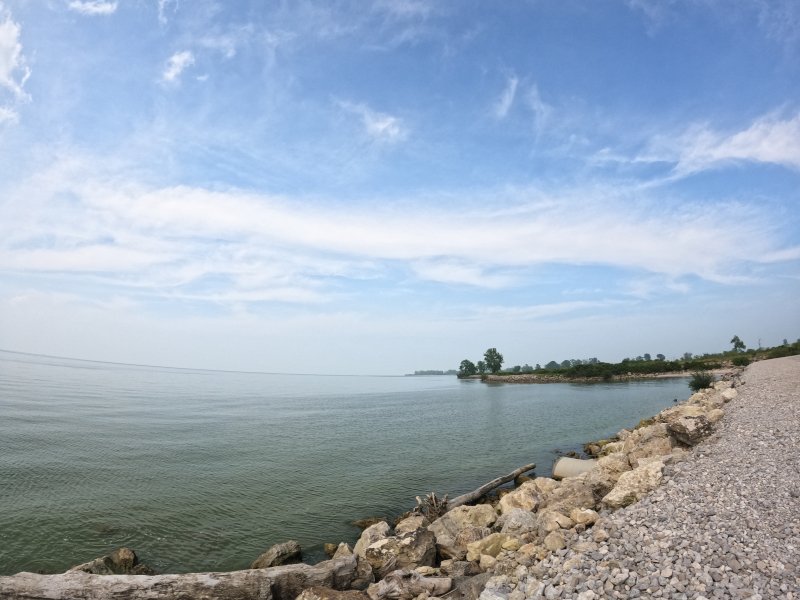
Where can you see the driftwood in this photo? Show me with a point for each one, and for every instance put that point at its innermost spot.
(488, 487)
(276, 583)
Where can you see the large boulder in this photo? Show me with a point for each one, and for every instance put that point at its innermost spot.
(285, 553)
(122, 561)
(689, 425)
(607, 472)
(646, 442)
(574, 492)
(491, 545)
(470, 521)
(369, 536)
(551, 520)
(409, 524)
(518, 522)
(633, 485)
(528, 496)
(409, 551)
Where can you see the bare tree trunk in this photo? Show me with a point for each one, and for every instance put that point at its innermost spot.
(488, 487)
(276, 583)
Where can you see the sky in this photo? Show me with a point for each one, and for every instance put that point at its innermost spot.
(380, 187)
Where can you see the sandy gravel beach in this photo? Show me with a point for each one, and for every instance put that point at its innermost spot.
(725, 523)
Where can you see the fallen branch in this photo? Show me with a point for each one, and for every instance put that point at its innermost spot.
(488, 487)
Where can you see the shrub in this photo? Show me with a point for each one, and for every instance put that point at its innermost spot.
(700, 380)
(740, 361)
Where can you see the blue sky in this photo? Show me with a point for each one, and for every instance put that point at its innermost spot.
(379, 187)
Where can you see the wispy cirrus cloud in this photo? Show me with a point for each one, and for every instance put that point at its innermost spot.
(769, 139)
(506, 100)
(14, 71)
(176, 65)
(93, 7)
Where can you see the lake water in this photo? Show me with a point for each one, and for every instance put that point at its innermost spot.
(203, 470)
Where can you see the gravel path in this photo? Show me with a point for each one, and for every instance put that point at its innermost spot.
(724, 524)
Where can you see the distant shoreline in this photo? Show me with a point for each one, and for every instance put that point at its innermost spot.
(534, 378)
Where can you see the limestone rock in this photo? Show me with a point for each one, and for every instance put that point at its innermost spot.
(518, 522)
(551, 520)
(607, 472)
(405, 585)
(401, 552)
(574, 492)
(122, 561)
(584, 516)
(525, 497)
(330, 549)
(410, 524)
(487, 562)
(690, 429)
(369, 536)
(469, 588)
(342, 550)
(715, 416)
(554, 541)
(633, 485)
(280, 554)
(459, 568)
(729, 394)
(491, 545)
(469, 521)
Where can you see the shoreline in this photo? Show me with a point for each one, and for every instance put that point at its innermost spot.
(522, 378)
(536, 509)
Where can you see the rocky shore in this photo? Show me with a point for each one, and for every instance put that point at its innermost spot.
(699, 502)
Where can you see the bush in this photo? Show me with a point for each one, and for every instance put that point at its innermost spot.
(700, 380)
(740, 361)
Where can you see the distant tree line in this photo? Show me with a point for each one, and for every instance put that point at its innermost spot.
(643, 364)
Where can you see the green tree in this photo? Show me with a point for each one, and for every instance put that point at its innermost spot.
(493, 359)
(481, 367)
(738, 344)
(467, 368)
(660, 357)
(647, 356)
(552, 365)
(516, 369)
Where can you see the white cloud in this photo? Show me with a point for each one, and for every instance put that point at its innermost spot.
(379, 126)
(8, 115)
(93, 7)
(14, 71)
(163, 5)
(506, 99)
(457, 272)
(770, 139)
(176, 64)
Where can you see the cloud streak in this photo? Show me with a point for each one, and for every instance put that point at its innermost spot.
(93, 7)
(506, 99)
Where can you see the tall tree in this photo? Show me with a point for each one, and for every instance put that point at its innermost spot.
(467, 368)
(481, 367)
(493, 359)
(738, 344)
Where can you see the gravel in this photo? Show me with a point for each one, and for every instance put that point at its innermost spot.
(725, 523)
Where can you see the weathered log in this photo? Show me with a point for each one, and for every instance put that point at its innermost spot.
(488, 487)
(405, 585)
(276, 583)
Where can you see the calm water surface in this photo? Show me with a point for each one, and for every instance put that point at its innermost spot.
(203, 470)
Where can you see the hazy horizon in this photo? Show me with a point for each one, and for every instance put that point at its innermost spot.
(397, 185)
